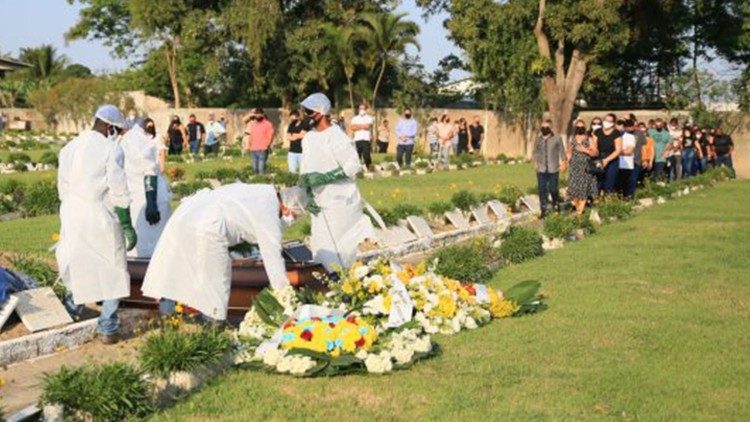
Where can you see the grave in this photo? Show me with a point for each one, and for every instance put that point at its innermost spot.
(40, 309)
(499, 209)
(386, 238)
(532, 203)
(479, 215)
(7, 308)
(420, 227)
(403, 235)
(458, 220)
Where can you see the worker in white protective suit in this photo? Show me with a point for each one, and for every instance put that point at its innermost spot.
(149, 191)
(96, 229)
(328, 170)
(191, 263)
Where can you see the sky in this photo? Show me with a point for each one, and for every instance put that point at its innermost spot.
(28, 23)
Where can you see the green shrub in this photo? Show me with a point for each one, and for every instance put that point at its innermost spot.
(306, 227)
(389, 217)
(172, 350)
(40, 198)
(232, 152)
(109, 392)
(462, 262)
(402, 211)
(520, 244)
(465, 200)
(486, 197)
(422, 165)
(226, 174)
(613, 207)
(49, 158)
(184, 189)
(439, 208)
(43, 273)
(18, 157)
(461, 159)
(13, 189)
(584, 222)
(509, 195)
(559, 226)
(175, 159)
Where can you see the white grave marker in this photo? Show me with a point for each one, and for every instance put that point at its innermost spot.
(40, 309)
(532, 203)
(7, 309)
(458, 220)
(499, 209)
(420, 227)
(480, 215)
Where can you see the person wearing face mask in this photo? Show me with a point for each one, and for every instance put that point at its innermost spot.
(550, 159)
(581, 150)
(703, 145)
(628, 171)
(662, 139)
(596, 124)
(609, 143)
(294, 134)
(261, 136)
(149, 191)
(176, 137)
(191, 263)
(689, 152)
(406, 133)
(361, 129)
(328, 174)
(95, 223)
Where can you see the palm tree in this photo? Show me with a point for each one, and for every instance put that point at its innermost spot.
(44, 61)
(388, 35)
(341, 40)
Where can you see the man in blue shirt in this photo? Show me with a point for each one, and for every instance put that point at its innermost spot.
(406, 133)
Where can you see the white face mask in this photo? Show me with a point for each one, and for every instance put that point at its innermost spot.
(608, 125)
(286, 221)
(596, 127)
(362, 111)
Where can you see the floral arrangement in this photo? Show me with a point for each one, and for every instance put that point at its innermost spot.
(375, 317)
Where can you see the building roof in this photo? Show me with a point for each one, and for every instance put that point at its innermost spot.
(11, 64)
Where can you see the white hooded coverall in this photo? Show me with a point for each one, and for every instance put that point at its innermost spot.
(91, 251)
(340, 226)
(191, 263)
(141, 159)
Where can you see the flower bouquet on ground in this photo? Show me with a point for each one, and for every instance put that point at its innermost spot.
(375, 318)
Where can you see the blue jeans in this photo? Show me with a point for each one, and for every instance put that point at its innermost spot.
(659, 172)
(167, 307)
(259, 162)
(608, 179)
(293, 160)
(108, 322)
(632, 182)
(688, 160)
(403, 154)
(548, 186)
(195, 146)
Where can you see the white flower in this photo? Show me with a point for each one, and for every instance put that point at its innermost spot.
(272, 356)
(362, 354)
(404, 355)
(361, 272)
(301, 364)
(423, 344)
(470, 323)
(378, 364)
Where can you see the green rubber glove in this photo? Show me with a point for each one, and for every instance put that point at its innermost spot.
(123, 216)
(152, 210)
(313, 180)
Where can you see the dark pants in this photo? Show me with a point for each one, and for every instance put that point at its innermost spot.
(688, 161)
(363, 150)
(631, 181)
(195, 146)
(608, 179)
(211, 149)
(382, 147)
(548, 186)
(175, 149)
(724, 160)
(463, 147)
(659, 172)
(403, 155)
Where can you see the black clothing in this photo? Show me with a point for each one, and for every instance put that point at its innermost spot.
(723, 144)
(463, 141)
(606, 143)
(295, 128)
(476, 135)
(195, 131)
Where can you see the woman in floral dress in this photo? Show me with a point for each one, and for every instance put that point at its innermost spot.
(581, 150)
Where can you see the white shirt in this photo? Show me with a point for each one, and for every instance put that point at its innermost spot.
(627, 162)
(362, 135)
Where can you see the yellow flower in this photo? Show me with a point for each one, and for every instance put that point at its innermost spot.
(347, 287)
(179, 308)
(387, 301)
(502, 308)
(55, 237)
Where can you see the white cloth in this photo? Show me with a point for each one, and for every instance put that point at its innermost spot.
(341, 225)
(191, 263)
(361, 135)
(141, 159)
(214, 130)
(91, 252)
(627, 162)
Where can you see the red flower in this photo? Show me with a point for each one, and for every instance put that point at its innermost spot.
(315, 318)
(306, 335)
(360, 342)
(351, 320)
(470, 288)
(332, 325)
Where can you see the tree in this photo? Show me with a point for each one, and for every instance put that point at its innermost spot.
(44, 60)
(388, 35)
(341, 41)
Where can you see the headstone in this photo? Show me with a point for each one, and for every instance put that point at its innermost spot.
(386, 237)
(499, 209)
(420, 227)
(457, 219)
(532, 203)
(40, 309)
(480, 215)
(7, 309)
(403, 235)
(214, 183)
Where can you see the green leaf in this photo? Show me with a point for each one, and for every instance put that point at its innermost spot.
(523, 292)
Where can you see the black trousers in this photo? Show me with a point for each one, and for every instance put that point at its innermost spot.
(363, 150)
(548, 184)
(403, 155)
(382, 147)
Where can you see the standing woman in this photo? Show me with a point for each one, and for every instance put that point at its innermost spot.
(159, 148)
(445, 133)
(176, 137)
(674, 158)
(384, 136)
(609, 144)
(689, 152)
(581, 150)
(463, 137)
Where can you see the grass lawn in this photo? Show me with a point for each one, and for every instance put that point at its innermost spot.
(648, 319)
(35, 234)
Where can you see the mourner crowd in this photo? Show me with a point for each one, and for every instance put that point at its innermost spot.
(615, 155)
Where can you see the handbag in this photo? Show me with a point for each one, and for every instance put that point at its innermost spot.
(595, 166)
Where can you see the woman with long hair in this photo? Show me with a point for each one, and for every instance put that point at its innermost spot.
(582, 149)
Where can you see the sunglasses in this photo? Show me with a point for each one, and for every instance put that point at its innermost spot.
(309, 112)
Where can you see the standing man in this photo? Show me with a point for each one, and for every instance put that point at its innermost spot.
(476, 131)
(329, 167)
(723, 148)
(149, 192)
(406, 133)
(550, 158)
(361, 128)
(261, 135)
(192, 264)
(196, 134)
(215, 132)
(662, 139)
(95, 222)
(294, 134)
(609, 143)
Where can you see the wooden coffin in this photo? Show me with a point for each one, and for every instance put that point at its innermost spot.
(248, 279)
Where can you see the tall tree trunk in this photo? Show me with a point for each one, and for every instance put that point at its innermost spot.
(171, 54)
(560, 87)
(377, 82)
(696, 79)
(351, 90)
